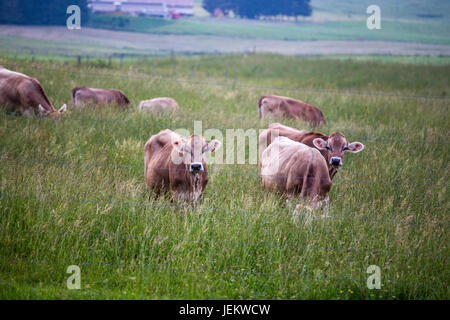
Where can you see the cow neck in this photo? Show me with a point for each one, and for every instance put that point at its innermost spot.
(196, 186)
(332, 172)
(196, 183)
(192, 178)
(45, 101)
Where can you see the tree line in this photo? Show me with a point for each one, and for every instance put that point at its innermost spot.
(255, 9)
(53, 12)
(39, 12)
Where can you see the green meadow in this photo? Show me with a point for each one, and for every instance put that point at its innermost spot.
(434, 32)
(409, 21)
(72, 190)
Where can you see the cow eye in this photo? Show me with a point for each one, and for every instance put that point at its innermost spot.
(328, 147)
(345, 148)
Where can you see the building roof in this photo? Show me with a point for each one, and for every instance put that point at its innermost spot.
(188, 3)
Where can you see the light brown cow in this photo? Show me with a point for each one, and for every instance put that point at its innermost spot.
(23, 94)
(158, 105)
(275, 106)
(82, 96)
(295, 169)
(177, 164)
(332, 147)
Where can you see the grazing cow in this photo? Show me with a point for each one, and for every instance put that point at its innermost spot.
(23, 94)
(159, 105)
(177, 164)
(297, 170)
(94, 96)
(273, 106)
(332, 147)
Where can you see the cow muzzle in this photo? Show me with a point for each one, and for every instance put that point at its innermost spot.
(196, 167)
(336, 161)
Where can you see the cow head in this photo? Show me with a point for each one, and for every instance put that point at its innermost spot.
(270, 109)
(52, 112)
(335, 148)
(193, 151)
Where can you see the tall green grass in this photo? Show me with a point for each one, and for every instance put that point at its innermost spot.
(72, 191)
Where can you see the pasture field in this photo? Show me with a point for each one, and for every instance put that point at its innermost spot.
(72, 190)
(406, 21)
(432, 10)
(91, 42)
(392, 30)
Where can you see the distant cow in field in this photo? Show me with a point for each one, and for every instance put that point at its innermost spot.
(177, 164)
(99, 97)
(332, 147)
(23, 94)
(274, 106)
(158, 105)
(295, 169)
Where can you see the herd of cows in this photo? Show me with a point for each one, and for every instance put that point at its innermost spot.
(298, 163)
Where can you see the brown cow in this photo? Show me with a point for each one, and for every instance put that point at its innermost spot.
(297, 170)
(158, 105)
(332, 147)
(94, 96)
(273, 106)
(23, 94)
(177, 164)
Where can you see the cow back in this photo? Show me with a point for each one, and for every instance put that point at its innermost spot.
(291, 108)
(19, 92)
(99, 97)
(295, 168)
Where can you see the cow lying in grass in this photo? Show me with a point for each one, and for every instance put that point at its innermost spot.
(275, 106)
(177, 165)
(99, 97)
(23, 94)
(159, 105)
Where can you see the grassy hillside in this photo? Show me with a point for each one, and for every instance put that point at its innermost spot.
(62, 50)
(72, 191)
(410, 31)
(432, 10)
(57, 43)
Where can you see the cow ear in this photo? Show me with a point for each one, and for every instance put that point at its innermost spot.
(320, 144)
(62, 109)
(42, 110)
(355, 147)
(214, 145)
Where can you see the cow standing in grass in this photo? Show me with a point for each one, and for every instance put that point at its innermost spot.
(176, 164)
(296, 170)
(332, 147)
(277, 106)
(23, 94)
(99, 97)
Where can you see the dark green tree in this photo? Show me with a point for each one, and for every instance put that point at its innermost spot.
(254, 9)
(39, 12)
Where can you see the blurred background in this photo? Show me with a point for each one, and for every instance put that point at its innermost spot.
(133, 28)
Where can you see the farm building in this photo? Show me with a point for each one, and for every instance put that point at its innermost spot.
(155, 8)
